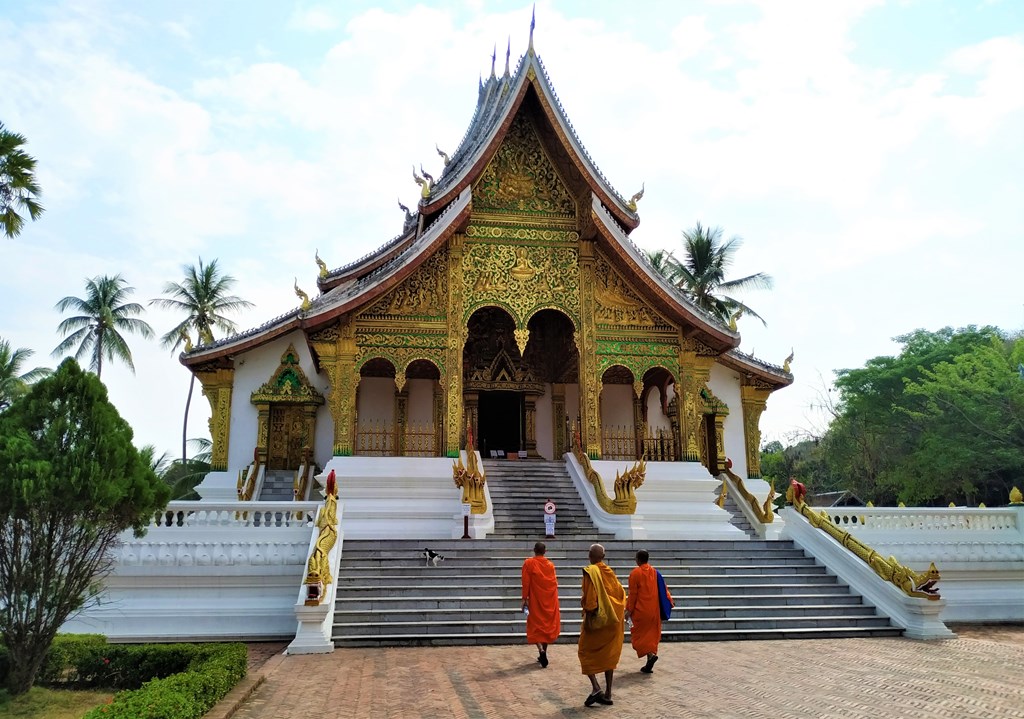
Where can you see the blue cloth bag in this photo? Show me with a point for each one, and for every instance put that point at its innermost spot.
(664, 603)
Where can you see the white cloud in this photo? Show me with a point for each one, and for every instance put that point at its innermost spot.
(316, 18)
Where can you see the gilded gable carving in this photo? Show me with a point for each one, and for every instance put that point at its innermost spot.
(520, 178)
(424, 294)
(617, 305)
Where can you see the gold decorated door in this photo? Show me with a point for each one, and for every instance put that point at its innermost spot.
(286, 436)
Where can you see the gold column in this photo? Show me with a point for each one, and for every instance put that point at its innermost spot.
(217, 384)
(720, 441)
(438, 414)
(755, 400)
(262, 425)
(471, 406)
(695, 371)
(559, 443)
(456, 341)
(336, 348)
(586, 343)
(401, 419)
(638, 418)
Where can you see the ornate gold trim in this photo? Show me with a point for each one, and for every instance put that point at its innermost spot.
(318, 569)
(765, 512)
(625, 484)
(471, 479)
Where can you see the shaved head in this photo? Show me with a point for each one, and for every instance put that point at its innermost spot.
(596, 553)
(539, 548)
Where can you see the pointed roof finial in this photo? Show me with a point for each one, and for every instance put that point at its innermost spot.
(494, 57)
(508, 54)
(533, 24)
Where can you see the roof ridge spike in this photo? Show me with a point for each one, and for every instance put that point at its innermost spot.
(533, 24)
(508, 54)
(494, 58)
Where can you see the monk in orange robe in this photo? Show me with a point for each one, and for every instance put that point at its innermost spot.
(601, 636)
(540, 602)
(644, 608)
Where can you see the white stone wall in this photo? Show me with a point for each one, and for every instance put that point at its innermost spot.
(617, 405)
(376, 400)
(725, 383)
(421, 400)
(253, 369)
(656, 418)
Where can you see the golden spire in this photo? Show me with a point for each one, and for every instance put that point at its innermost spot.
(306, 304)
(787, 361)
(443, 154)
(533, 24)
(636, 198)
(321, 264)
(424, 184)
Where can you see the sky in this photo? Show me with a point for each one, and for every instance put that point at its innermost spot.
(869, 154)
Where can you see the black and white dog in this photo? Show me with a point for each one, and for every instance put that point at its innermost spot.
(432, 557)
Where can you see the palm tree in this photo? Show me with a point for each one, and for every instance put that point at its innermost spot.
(18, 188)
(160, 464)
(203, 299)
(664, 263)
(701, 273)
(104, 315)
(13, 382)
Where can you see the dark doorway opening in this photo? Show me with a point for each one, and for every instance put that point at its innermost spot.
(502, 422)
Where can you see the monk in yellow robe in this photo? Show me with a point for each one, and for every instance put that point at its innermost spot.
(644, 609)
(601, 636)
(540, 602)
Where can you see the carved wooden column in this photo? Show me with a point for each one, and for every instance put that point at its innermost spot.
(401, 414)
(456, 341)
(586, 343)
(639, 425)
(673, 418)
(695, 360)
(531, 426)
(471, 408)
(217, 383)
(336, 348)
(755, 399)
(559, 444)
(438, 415)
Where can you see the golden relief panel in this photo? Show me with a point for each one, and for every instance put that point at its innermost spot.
(424, 294)
(521, 178)
(520, 278)
(617, 305)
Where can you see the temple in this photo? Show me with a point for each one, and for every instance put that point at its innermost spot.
(512, 303)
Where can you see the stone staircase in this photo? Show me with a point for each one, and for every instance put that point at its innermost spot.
(739, 520)
(724, 590)
(278, 486)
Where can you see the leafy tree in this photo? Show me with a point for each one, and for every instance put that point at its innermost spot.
(18, 188)
(105, 314)
(13, 382)
(70, 482)
(664, 263)
(203, 299)
(701, 273)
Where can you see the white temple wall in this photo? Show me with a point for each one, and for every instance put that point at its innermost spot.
(323, 438)
(725, 383)
(656, 418)
(421, 401)
(376, 400)
(617, 405)
(253, 369)
(544, 424)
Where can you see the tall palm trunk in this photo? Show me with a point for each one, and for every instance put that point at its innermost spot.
(184, 425)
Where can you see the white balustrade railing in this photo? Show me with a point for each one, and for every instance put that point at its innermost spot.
(938, 519)
(237, 515)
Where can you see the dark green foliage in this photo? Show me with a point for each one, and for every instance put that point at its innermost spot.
(70, 482)
(942, 421)
(177, 681)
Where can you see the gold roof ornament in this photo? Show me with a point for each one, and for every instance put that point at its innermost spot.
(183, 334)
(533, 24)
(789, 360)
(870, 503)
(321, 264)
(636, 197)
(306, 304)
(424, 184)
(982, 506)
(901, 505)
(444, 155)
(952, 505)
(1016, 497)
(734, 318)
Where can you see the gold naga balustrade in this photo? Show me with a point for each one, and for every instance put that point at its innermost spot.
(764, 512)
(318, 569)
(471, 479)
(625, 485)
(300, 485)
(247, 478)
(914, 584)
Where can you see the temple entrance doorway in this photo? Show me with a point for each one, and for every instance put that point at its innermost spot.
(286, 436)
(502, 421)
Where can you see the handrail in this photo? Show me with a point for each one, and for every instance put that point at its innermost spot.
(301, 483)
(764, 512)
(911, 583)
(318, 569)
(471, 478)
(248, 478)
(625, 485)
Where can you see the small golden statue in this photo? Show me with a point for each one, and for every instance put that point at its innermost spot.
(424, 184)
(734, 318)
(183, 334)
(636, 198)
(306, 304)
(444, 155)
(787, 361)
(1016, 497)
(321, 264)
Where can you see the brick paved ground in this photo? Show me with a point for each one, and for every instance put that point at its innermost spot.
(849, 678)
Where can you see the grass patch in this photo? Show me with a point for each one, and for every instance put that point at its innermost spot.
(42, 703)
